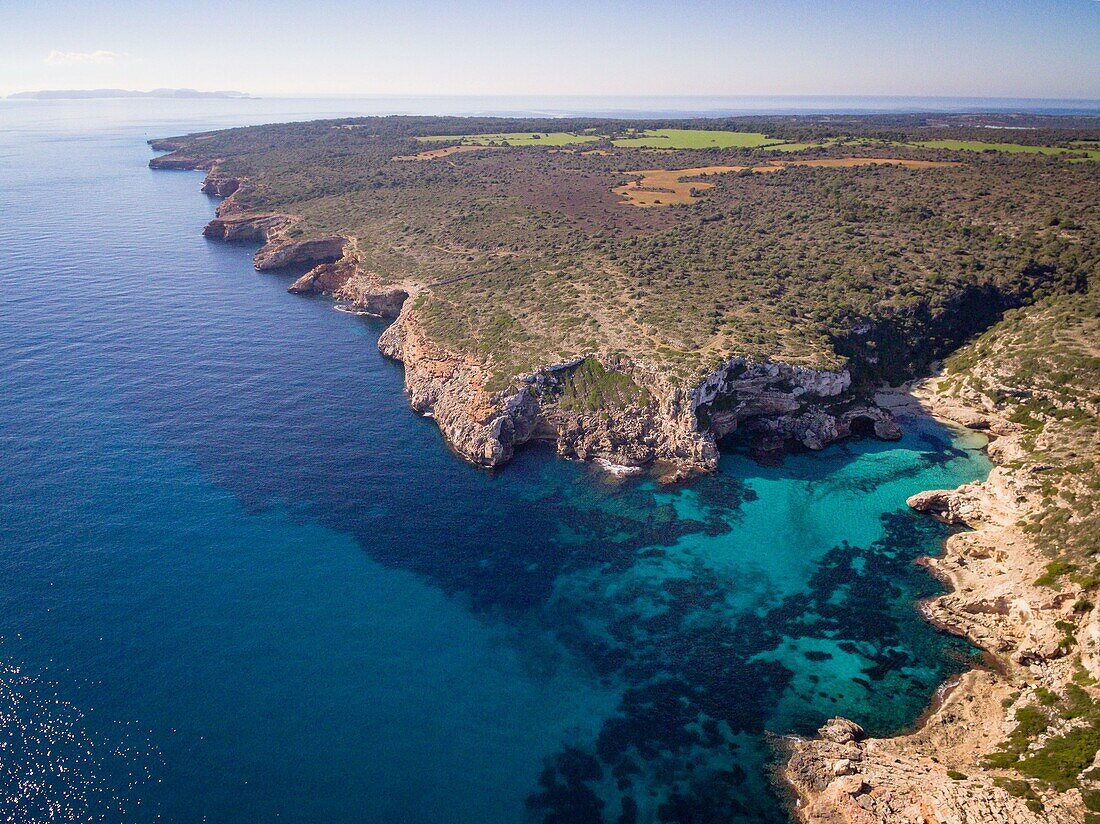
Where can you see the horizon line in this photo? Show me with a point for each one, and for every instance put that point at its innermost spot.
(552, 95)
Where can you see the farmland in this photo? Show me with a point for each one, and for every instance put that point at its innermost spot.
(693, 139)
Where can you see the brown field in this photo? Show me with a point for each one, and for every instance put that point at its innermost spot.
(435, 154)
(664, 187)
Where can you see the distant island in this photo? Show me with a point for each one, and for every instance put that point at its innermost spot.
(92, 94)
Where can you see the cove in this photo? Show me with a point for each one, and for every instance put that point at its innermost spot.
(250, 583)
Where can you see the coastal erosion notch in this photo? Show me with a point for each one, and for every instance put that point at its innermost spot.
(594, 407)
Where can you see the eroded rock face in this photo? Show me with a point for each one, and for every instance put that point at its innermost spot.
(174, 162)
(244, 229)
(279, 253)
(783, 403)
(671, 427)
(220, 186)
(943, 503)
(482, 429)
(345, 281)
(841, 731)
(631, 437)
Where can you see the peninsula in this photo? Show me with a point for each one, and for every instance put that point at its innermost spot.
(635, 291)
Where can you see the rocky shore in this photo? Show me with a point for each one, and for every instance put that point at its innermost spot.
(939, 774)
(658, 423)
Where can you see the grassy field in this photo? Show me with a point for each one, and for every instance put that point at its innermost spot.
(793, 147)
(1010, 148)
(695, 139)
(642, 139)
(982, 146)
(519, 138)
(687, 139)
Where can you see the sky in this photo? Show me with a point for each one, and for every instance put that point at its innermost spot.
(988, 48)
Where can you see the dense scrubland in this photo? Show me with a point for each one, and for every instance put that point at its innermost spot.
(532, 257)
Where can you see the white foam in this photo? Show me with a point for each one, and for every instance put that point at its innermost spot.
(618, 470)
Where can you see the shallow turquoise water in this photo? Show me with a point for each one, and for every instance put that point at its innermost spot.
(240, 580)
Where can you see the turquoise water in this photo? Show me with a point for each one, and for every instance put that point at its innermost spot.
(240, 580)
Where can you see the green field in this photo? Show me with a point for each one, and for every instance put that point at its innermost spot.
(695, 139)
(1010, 148)
(720, 139)
(793, 147)
(517, 138)
(647, 139)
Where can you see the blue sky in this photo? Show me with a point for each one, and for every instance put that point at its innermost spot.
(1030, 48)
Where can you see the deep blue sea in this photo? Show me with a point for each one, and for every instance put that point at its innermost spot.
(240, 581)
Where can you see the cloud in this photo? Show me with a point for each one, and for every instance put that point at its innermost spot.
(99, 57)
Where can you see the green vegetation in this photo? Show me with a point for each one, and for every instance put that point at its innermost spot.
(797, 147)
(1009, 148)
(982, 146)
(1092, 799)
(526, 257)
(589, 388)
(517, 139)
(1021, 789)
(1067, 727)
(702, 138)
(1041, 368)
(693, 139)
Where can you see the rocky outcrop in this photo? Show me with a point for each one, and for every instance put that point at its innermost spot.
(675, 426)
(281, 253)
(245, 228)
(938, 773)
(661, 427)
(345, 281)
(481, 428)
(784, 404)
(220, 186)
(851, 779)
(181, 162)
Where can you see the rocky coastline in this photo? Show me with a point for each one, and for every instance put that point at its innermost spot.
(598, 407)
(660, 424)
(940, 773)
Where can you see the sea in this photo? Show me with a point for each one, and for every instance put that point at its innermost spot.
(241, 581)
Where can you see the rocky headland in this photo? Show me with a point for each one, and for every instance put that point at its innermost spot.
(598, 406)
(1013, 742)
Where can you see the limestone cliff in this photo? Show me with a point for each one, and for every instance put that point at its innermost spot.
(656, 421)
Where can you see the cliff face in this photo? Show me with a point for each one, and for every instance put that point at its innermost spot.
(646, 420)
(781, 404)
(657, 423)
